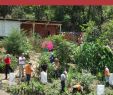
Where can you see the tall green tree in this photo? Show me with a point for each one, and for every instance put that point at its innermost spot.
(18, 13)
(5, 10)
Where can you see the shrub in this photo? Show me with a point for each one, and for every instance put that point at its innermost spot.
(24, 89)
(14, 62)
(56, 39)
(2, 67)
(35, 40)
(16, 43)
(44, 58)
(86, 81)
(94, 57)
(92, 31)
(66, 52)
(106, 37)
(70, 75)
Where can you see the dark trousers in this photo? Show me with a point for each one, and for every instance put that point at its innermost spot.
(7, 70)
(56, 73)
(28, 77)
(62, 86)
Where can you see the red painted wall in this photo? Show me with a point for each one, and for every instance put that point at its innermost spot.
(42, 29)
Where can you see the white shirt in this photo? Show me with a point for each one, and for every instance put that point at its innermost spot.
(43, 77)
(22, 60)
(63, 77)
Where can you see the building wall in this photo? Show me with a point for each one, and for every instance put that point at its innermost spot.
(2, 27)
(45, 31)
(6, 27)
(42, 29)
(53, 29)
(27, 28)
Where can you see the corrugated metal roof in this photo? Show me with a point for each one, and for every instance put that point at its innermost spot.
(37, 21)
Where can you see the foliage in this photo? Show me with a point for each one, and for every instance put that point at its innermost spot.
(44, 59)
(2, 67)
(33, 88)
(35, 40)
(66, 52)
(14, 62)
(85, 80)
(70, 16)
(78, 93)
(56, 39)
(94, 57)
(18, 12)
(70, 75)
(5, 10)
(38, 86)
(53, 89)
(17, 43)
(91, 31)
(107, 34)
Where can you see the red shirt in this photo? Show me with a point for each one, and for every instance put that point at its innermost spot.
(7, 60)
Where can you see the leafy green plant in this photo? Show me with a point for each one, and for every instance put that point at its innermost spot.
(106, 37)
(78, 93)
(17, 43)
(44, 58)
(85, 80)
(66, 52)
(35, 40)
(94, 57)
(92, 31)
(70, 75)
(39, 87)
(56, 39)
(2, 67)
(24, 89)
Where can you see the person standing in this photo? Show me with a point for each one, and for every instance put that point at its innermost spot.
(28, 71)
(22, 60)
(107, 75)
(43, 74)
(52, 58)
(7, 61)
(63, 80)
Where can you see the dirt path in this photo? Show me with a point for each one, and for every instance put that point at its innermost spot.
(3, 93)
(34, 58)
(2, 83)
